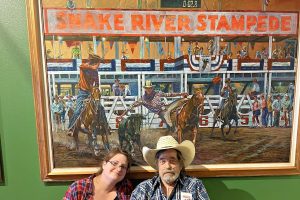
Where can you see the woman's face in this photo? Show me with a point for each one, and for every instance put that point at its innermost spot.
(115, 168)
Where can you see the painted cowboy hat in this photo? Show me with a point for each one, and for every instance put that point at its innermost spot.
(186, 148)
(148, 84)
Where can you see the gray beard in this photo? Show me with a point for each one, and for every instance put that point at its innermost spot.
(169, 179)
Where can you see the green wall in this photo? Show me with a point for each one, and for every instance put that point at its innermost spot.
(18, 132)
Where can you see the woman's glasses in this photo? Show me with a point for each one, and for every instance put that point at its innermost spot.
(116, 164)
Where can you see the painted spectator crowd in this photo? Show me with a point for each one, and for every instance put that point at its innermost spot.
(61, 108)
(272, 111)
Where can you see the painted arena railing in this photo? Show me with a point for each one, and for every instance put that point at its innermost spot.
(281, 64)
(138, 65)
(186, 63)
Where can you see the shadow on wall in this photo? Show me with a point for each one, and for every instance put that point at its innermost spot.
(219, 191)
(2, 183)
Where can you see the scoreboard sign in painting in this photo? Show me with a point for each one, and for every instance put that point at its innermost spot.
(180, 3)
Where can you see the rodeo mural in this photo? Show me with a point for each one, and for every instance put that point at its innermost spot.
(224, 80)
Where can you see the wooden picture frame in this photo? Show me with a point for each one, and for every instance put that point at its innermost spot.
(42, 103)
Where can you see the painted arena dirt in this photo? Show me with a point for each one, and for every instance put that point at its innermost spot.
(248, 145)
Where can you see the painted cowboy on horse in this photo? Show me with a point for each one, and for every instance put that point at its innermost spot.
(89, 115)
(227, 110)
(187, 115)
(152, 100)
(88, 79)
(226, 90)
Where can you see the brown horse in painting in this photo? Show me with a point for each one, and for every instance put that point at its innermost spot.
(92, 121)
(188, 115)
(226, 115)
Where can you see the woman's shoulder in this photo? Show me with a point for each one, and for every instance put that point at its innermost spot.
(83, 181)
(79, 187)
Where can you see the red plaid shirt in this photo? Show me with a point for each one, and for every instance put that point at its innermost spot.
(83, 189)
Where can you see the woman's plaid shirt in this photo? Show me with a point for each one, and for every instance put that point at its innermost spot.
(83, 189)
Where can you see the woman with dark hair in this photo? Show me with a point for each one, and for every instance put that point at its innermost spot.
(108, 183)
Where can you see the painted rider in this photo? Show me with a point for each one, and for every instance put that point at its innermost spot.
(152, 100)
(225, 92)
(88, 79)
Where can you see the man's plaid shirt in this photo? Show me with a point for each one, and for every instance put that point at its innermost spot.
(151, 189)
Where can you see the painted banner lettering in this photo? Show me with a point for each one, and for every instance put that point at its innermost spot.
(142, 22)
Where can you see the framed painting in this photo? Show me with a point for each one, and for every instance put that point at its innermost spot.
(235, 78)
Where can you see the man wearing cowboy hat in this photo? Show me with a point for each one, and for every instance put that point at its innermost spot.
(88, 79)
(170, 159)
(152, 100)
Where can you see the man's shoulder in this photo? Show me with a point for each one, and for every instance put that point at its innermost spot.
(190, 178)
(191, 181)
(148, 183)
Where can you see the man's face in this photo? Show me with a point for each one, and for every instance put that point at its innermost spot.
(169, 166)
(148, 90)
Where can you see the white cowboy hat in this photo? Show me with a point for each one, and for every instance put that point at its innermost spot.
(187, 149)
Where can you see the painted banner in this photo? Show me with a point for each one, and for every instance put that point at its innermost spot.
(149, 22)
